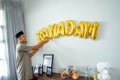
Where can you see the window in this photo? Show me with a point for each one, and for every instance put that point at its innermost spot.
(1, 34)
(3, 63)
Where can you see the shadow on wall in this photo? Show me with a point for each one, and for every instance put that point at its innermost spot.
(56, 65)
(102, 30)
(114, 74)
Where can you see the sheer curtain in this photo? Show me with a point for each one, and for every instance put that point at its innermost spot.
(14, 22)
(3, 63)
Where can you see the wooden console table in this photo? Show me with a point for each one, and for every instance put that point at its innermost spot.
(56, 76)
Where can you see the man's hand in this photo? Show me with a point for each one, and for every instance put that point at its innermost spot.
(46, 40)
(36, 47)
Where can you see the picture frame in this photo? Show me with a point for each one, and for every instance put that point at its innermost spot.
(48, 63)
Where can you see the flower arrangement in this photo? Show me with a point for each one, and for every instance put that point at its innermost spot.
(103, 73)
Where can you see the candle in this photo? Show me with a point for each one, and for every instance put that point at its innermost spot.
(95, 76)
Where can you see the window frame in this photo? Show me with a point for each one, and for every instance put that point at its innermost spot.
(2, 39)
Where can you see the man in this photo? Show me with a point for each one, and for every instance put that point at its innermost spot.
(23, 54)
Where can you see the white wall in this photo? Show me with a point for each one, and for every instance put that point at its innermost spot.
(72, 50)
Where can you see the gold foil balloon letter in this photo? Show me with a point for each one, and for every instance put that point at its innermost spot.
(82, 30)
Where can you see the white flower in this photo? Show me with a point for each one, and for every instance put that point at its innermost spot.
(105, 72)
(106, 65)
(99, 76)
(102, 65)
(103, 68)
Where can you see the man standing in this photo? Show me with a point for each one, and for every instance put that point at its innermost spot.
(23, 54)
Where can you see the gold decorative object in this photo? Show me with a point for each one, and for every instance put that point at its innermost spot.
(95, 76)
(82, 30)
(70, 72)
(63, 74)
(75, 75)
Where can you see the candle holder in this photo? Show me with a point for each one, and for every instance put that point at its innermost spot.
(75, 75)
(70, 71)
(63, 74)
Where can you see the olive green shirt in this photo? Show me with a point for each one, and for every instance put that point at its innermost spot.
(24, 66)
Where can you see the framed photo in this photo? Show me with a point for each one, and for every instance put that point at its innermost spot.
(40, 70)
(48, 63)
(49, 71)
